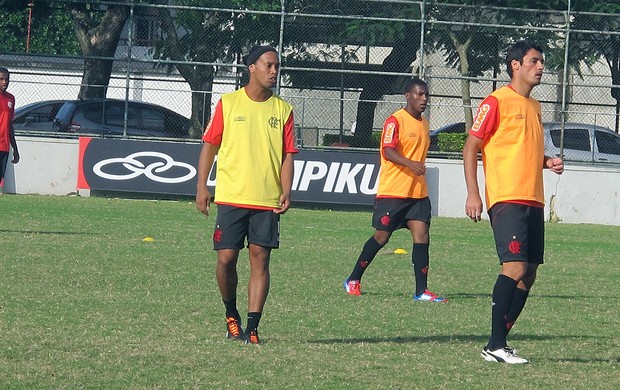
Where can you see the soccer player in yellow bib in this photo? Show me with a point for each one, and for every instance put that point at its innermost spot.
(251, 132)
(508, 130)
(402, 196)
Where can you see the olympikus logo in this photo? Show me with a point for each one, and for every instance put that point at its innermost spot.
(336, 177)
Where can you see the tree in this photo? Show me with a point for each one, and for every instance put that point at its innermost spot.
(51, 28)
(98, 29)
(198, 38)
(467, 45)
(600, 41)
(402, 54)
(390, 26)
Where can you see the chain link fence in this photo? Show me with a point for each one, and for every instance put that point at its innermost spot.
(343, 62)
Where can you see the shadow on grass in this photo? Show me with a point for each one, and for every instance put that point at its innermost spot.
(585, 360)
(43, 232)
(438, 339)
(463, 296)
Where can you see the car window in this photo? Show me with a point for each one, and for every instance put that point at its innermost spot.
(152, 119)
(575, 139)
(93, 112)
(115, 115)
(44, 113)
(607, 143)
(64, 115)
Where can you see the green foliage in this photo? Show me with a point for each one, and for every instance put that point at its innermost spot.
(51, 28)
(451, 142)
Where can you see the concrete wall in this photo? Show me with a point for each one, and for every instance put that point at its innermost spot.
(583, 194)
(48, 166)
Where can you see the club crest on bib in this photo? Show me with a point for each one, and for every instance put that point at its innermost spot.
(273, 122)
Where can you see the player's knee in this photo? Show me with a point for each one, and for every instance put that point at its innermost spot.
(382, 237)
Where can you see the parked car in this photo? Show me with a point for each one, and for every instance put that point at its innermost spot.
(37, 116)
(452, 128)
(102, 117)
(582, 142)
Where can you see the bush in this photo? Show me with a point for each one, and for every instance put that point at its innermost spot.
(451, 142)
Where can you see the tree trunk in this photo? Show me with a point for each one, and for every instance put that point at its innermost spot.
(201, 84)
(461, 49)
(199, 78)
(98, 38)
(403, 54)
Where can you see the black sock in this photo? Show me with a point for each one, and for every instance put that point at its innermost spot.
(419, 258)
(231, 308)
(516, 306)
(502, 297)
(253, 320)
(370, 250)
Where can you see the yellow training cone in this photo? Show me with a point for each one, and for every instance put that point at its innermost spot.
(400, 251)
(148, 239)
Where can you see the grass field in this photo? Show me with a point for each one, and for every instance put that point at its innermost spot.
(85, 303)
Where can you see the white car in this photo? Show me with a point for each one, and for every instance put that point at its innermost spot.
(582, 142)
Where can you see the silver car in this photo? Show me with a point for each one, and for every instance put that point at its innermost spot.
(100, 117)
(582, 142)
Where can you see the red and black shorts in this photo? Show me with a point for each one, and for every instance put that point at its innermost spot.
(519, 232)
(234, 224)
(391, 214)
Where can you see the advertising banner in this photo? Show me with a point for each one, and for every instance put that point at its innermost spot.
(336, 177)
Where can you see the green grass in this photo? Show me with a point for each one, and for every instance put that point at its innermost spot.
(85, 303)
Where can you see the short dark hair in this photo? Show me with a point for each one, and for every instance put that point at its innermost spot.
(255, 52)
(412, 82)
(4, 70)
(517, 51)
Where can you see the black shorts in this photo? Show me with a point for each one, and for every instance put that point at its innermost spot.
(519, 232)
(234, 224)
(391, 214)
(4, 160)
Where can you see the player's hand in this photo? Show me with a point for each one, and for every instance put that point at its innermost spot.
(417, 168)
(285, 204)
(15, 157)
(203, 200)
(555, 165)
(473, 207)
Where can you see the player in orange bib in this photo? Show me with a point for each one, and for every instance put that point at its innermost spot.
(508, 131)
(402, 196)
(251, 132)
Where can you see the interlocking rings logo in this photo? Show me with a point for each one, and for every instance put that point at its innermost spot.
(137, 168)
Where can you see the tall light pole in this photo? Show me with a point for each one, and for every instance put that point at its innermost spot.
(30, 5)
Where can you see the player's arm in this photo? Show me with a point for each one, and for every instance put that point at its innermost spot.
(554, 164)
(484, 126)
(212, 138)
(13, 144)
(286, 179)
(389, 141)
(205, 163)
(473, 203)
(288, 166)
(416, 167)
